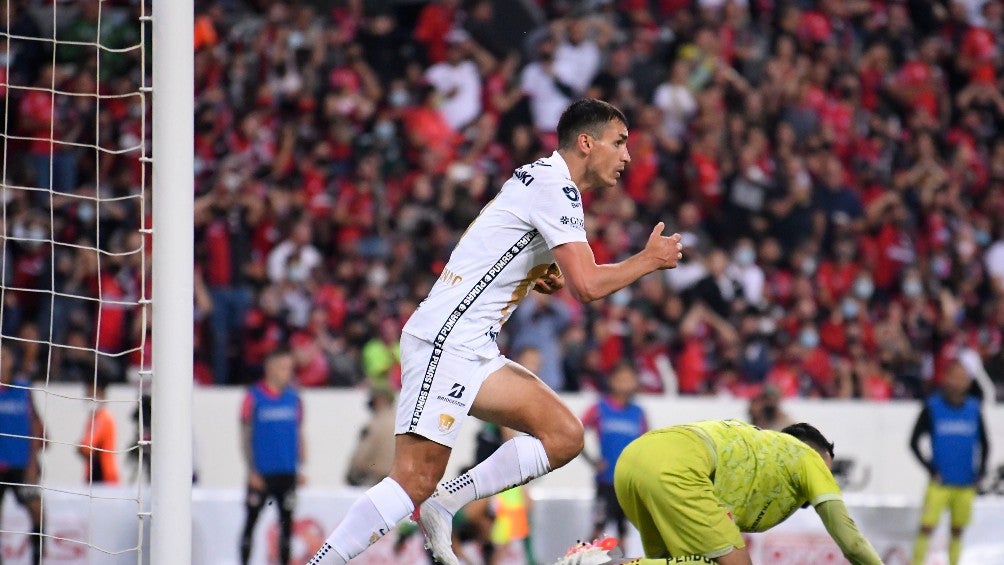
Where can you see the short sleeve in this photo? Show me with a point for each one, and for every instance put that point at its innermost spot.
(819, 484)
(591, 419)
(557, 213)
(247, 408)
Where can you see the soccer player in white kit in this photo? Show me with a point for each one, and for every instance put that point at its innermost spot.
(531, 236)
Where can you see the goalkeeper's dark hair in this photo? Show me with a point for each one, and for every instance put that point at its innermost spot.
(588, 115)
(811, 436)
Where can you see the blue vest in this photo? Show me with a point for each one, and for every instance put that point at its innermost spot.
(275, 424)
(955, 434)
(15, 419)
(617, 428)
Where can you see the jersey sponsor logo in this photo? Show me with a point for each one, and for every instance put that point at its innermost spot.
(955, 428)
(457, 391)
(574, 222)
(277, 414)
(452, 401)
(446, 423)
(12, 407)
(454, 317)
(621, 426)
(571, 193)
(523, 177)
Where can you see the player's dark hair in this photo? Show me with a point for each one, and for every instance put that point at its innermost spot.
(810, 435)
(588, 115)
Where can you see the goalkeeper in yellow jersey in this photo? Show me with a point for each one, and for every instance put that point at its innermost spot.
(692, 489)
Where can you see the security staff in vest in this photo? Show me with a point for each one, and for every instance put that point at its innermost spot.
(952, 419)
(20, 440)
(272, 434)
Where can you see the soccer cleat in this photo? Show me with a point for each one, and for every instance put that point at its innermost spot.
(436, 523)
(596, 552)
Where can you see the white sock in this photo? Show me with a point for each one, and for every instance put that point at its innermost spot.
(368, 519)
(515, 462)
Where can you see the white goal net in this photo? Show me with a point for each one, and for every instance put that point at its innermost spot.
(74, 281)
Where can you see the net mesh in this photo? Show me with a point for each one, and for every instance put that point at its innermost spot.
(74, 280)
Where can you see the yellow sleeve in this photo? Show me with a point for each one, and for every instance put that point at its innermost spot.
(845, 532)
(819, 484)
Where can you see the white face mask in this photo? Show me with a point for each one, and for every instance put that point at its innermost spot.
(849, 308)
(745, 256)
(85, 212)
(808, 338)
(863, 288)
(912, 287)
(808, 266)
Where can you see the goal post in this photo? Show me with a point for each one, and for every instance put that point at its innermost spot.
(173, 280)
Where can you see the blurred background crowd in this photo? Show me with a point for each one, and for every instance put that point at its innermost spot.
(836, 168)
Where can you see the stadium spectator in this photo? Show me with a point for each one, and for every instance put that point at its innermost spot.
(370, 461)
(457, 80)
(54, 163)
(19, 444)
(539, 324)
(273, 446)
(547, 90)
(98, 445)
(765, 411)
(953, 421)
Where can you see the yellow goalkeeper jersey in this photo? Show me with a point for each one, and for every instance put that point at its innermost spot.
(763, 476)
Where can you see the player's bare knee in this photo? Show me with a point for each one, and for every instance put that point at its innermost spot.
(564, 442)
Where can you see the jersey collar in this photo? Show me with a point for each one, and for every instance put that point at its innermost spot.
(558, 162)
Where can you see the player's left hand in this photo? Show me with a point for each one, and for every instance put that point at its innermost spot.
(551, 282)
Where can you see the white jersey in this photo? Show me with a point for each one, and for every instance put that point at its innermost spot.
(495, 263)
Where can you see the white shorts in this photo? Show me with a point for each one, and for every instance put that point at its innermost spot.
(438, 387)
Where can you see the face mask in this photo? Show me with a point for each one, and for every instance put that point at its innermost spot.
(912, 287)
(808, 338)
(384, 130)
(398, 98)
(745, 256)
(85, 212)
(863, 288)
(621, 297)
(849, 308)
(982, 238)
(808, 267)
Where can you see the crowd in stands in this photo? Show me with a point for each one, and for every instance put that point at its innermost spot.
(836, 168)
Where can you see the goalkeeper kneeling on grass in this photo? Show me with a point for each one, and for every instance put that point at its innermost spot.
(692, 489)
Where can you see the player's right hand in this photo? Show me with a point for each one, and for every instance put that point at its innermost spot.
(667, 251)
